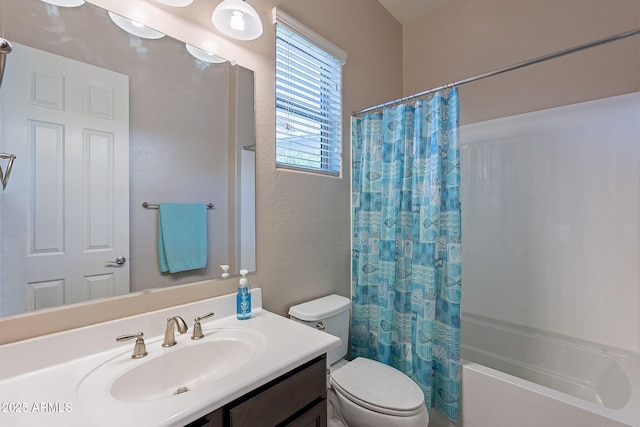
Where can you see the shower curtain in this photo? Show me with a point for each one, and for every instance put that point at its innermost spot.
(406, 231)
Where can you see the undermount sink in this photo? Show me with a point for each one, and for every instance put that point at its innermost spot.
(188, 366)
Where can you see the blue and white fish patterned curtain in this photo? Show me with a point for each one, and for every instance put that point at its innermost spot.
(407, 244)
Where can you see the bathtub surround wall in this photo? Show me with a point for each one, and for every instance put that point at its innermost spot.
(551, 220)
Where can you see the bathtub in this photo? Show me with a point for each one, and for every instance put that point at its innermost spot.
(514, 376)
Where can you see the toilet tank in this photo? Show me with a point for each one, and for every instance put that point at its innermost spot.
(330, 314)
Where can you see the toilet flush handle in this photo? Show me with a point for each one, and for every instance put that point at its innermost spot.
(320, 326)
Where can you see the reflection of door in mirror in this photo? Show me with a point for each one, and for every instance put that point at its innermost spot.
(68, 124)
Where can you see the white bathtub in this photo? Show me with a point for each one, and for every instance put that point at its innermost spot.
(519, 377)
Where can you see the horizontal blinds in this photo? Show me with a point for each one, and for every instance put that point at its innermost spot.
(308, 104)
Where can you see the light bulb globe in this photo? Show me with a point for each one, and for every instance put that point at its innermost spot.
(134, 27)
(65, 3)
(227, 15)
(203, 55)
(176, 3)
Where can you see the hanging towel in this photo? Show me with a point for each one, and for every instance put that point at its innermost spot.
(182, 237)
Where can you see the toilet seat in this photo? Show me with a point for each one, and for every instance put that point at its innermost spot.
(378, 387)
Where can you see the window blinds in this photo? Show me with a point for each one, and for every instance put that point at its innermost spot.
(308, 104)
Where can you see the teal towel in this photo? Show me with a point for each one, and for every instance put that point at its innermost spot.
(182, 237)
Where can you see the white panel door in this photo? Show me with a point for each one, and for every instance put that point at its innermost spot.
(67, 122)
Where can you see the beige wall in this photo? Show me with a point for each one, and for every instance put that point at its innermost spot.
(304, 247)
(303, 221)
(470, 37)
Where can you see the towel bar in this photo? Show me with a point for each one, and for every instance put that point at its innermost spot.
(148, 205)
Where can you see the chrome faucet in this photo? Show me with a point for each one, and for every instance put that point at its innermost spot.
(169, 334)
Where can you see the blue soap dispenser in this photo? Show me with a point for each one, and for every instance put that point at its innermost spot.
(243, 299)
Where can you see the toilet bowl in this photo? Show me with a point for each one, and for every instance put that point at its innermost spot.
(362, 392)
(370, 393)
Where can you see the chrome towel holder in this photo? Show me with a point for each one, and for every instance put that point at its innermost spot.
(148, 205)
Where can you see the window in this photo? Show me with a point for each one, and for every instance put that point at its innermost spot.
(308, 98)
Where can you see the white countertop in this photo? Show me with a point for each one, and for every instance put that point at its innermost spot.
(40, 377)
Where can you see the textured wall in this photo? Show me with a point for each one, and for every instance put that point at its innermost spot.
(471, 37)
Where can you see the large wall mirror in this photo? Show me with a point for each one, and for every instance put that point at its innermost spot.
(101, 121)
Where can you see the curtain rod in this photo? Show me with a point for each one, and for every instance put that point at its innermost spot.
(504, 70)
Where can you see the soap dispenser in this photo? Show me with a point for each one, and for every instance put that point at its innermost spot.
(243, 300)
(225, 271)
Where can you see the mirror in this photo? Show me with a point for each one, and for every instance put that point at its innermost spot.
(190, 131)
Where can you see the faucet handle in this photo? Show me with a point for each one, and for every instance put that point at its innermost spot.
(140, 349)
(197, 328)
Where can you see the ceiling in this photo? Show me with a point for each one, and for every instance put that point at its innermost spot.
(406, 11)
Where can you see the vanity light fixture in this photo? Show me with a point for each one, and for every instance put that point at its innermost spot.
(176, 3)
(65, 3)
(203, 55)
(135, 28)
(237, 19)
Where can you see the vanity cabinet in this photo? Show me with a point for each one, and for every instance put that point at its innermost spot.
(296, 399)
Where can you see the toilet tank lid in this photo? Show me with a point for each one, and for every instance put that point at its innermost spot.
(320, 308)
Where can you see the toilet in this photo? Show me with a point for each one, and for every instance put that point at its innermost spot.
(362, 392)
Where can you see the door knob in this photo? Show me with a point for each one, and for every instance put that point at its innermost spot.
(119, 261)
